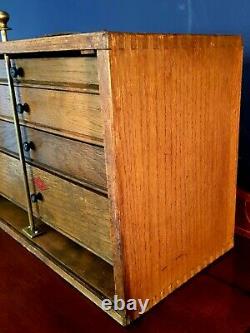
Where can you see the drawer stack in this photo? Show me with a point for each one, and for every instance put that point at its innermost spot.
(61, 93)
(130, 142)
(62, 129)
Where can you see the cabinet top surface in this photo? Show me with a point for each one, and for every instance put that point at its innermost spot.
(104, 40)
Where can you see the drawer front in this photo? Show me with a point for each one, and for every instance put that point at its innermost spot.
(80, 214)
(79, 72)
(72, 114)
(77, 160)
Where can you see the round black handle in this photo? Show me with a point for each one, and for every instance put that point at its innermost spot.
(15, 72)
(27, 146)
(36, 197)
(21, 108)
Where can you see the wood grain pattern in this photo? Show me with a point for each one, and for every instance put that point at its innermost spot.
(144, 41)
(84, 41)
(170, 113)
(79, 161)
(72, 114)
(81, 263)
(107, 109)
(65, 71)
(80, 214)
(101, 41)
(174, 126)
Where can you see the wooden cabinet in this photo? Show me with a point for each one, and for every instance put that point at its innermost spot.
(134, 153)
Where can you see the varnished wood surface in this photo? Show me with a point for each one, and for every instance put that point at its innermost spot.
(71, 114)
(171, 114)
(81, 263)
(84, 41)
(66, 71)
(102, 41)
(78, 213)
(79, 161)
(174, 126)
(143, 41)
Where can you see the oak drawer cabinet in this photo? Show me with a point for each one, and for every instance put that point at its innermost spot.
(131, 145)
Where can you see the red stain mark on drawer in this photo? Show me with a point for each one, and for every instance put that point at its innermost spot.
(40, 184)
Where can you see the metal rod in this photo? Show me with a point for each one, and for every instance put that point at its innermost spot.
(4, 17)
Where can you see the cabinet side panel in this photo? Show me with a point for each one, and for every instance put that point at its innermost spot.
(175, 137)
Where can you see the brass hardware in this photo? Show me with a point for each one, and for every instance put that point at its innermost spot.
(32, 234)
(21, 108)
(4, 18)
(27, 146)
(32, 231)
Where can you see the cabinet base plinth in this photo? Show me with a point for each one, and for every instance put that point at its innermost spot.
(89, 274)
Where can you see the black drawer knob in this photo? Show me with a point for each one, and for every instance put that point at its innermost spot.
(27, 146)
(21, 108)
(15, 72)
(36, 197)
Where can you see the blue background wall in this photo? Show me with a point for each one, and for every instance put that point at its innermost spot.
(31, 18)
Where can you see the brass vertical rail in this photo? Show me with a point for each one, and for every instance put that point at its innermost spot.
(31, 230)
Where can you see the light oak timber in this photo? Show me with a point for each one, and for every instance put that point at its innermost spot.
(80, 161)
(170, 107)
(101, 41)
(107, 109)
(174, 136)
(78, 213)
(67, 71)
(72, 114)
(83, 41)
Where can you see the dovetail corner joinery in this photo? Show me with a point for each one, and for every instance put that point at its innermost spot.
(135, 149)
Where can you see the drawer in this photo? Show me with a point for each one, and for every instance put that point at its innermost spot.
(77, 160)
(78, 72)
(73, 114)
(80, 214)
